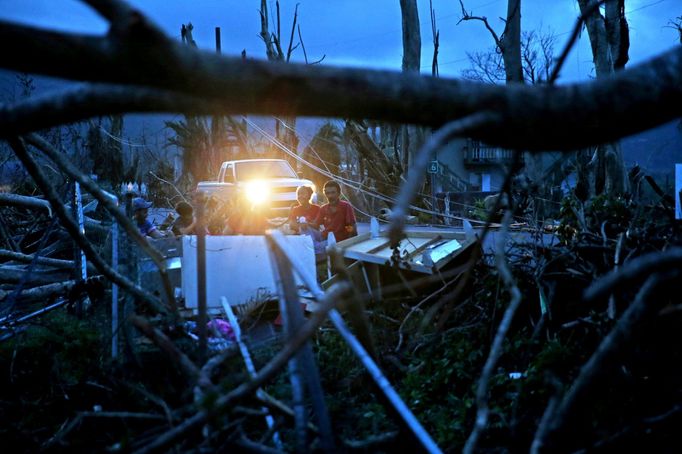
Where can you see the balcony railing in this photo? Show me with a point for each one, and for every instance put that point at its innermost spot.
(487, 156)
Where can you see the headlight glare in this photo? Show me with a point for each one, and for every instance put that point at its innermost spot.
(257, 192)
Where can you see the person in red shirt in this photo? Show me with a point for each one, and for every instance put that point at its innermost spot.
(304, 209)
(337, 216)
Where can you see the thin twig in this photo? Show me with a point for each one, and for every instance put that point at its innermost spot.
(424, 300)
(170, 184)
(467, 16)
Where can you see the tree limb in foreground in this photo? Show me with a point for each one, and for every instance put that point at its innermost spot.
(533, 118)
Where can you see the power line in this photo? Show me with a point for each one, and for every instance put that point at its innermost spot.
(120, 139)
(427, 196)
(358, 183)
(352, 184)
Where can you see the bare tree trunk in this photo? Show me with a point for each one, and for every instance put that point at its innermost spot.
(383, 170)
(285, 128)
(510, 43)
(412, 45)
(412, 42)
(609, 39)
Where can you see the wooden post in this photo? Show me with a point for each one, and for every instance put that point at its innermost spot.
(202, 319)
(217, 40)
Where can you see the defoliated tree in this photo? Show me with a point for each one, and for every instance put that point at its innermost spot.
(410, 137)
(610, 41)
(537, 60)
(324, 152)
(200, 139)
(285, 127)
(513, 60)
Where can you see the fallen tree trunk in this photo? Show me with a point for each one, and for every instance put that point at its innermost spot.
(25, 258)
(11, 274)
(50, 291)
(56, 263)
(25, 202)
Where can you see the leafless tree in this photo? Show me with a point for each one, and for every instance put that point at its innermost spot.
(676, 24)
(515, 57)
(610, 41)
(508, 43)
(537, 62)
(285, 128)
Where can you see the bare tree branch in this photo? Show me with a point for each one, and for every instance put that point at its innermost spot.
(468, 16)
(436, 36)
(410, 188)
(291, 38)
(300, 39)
(634, 271)
(19, 257)
(164, 343)
(264, 33)
(496, 347)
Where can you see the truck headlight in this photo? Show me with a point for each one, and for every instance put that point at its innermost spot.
(257, 192)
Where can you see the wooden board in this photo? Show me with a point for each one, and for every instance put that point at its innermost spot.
(441, 246)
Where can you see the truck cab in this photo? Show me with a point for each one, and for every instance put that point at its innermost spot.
(260, 181)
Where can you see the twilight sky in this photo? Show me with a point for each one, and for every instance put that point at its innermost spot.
(366, 33)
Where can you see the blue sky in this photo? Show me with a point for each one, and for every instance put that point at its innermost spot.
(365, 33)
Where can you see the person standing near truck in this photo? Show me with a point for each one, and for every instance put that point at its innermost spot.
(305, 209)
(302, 215)
(337, 216)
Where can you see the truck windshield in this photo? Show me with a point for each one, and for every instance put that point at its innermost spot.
(264, 169)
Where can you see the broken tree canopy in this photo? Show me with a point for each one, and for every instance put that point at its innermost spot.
(134, 50)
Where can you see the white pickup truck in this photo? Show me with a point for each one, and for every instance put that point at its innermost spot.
(261, 181)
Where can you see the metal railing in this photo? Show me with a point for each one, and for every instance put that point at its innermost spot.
(447, 176)
(484, 155)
